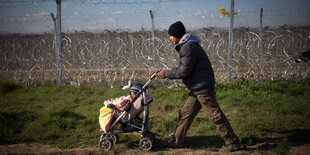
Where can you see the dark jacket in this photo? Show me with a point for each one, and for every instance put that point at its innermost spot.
(194, 68)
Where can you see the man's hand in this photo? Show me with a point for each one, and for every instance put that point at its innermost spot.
(161, 74)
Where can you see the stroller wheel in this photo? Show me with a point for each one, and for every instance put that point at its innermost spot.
(145, 144)
(112, 135)
(102, 136)
(106, 144)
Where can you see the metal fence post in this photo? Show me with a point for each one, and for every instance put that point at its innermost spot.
(58, 43)
(230, 41)
(261, 41)
(153, 55)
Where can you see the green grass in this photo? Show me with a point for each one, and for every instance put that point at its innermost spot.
(67, 116)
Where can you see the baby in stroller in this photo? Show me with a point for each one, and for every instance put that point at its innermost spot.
(125, 110)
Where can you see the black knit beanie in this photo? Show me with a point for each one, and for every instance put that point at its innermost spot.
(177, 29)
(136, 88)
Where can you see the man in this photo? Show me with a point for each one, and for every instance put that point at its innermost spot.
(197, 74)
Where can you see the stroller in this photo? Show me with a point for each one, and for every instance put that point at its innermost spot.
(133, 123)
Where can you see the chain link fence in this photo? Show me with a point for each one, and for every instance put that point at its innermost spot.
(97, 53)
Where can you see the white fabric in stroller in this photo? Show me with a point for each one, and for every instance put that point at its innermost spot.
(135, 108)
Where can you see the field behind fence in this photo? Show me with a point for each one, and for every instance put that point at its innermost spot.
(114, 57)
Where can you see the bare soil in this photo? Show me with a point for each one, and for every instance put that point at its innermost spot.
(36, 148)
(298, 146)
(298, 139)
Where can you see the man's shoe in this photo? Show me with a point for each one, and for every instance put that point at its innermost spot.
(171, 138)
(230, 148)
(169, 142)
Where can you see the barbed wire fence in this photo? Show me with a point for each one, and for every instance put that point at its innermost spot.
(113, 54)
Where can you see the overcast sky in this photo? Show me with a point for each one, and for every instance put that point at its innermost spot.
(94, 15)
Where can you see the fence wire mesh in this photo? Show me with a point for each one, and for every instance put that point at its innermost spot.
(97, 53)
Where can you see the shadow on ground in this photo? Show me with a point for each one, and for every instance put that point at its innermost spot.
(296, 137)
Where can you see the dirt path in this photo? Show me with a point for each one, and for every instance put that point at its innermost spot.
(36, 148)
(299, 144)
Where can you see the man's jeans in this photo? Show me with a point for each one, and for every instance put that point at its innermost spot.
(209, 104)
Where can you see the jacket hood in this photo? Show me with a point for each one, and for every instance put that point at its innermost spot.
(187, 38)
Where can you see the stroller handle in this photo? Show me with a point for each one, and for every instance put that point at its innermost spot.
(150, 80)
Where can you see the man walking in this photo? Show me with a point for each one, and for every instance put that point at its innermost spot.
(197, 74)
